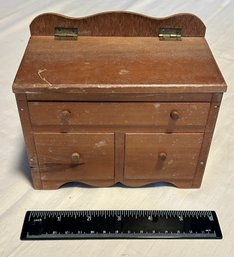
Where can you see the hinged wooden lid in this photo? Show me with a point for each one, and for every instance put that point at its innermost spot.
(118, 52)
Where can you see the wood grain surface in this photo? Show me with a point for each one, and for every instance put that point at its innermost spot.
(118, 65)
(142, 160)
(115, 116)
(96, 156)
(137, 161)
(121, 97)
(207, 139)
(117, 24)
(32, 158)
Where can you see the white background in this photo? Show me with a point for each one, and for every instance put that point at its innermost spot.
(16, 192)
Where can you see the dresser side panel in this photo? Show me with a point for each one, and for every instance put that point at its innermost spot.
(29, 139)
(209, 130)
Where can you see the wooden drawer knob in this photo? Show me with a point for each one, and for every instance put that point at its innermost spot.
(162, 156)
(174, 115)
(75, 157)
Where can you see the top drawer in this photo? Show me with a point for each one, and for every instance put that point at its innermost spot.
(163, 116)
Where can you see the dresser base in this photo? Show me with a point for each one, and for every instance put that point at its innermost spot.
(51, 185)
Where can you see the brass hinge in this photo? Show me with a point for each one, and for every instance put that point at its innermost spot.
(169, 34)
(65, 33)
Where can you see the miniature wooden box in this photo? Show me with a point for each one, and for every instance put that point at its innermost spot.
(118, 97)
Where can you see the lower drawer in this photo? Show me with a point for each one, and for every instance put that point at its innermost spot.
(74, 157)
(161, 156)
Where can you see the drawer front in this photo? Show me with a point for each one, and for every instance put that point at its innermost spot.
(75, 156)
(167, 116)
(161, 156)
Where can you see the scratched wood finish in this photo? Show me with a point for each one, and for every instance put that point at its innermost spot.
(142, 155)
(116, 87)
(118, 65)
(55, 156)
(192, 116)
(117, 24)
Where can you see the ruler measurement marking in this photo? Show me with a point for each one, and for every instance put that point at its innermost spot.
(127, 224)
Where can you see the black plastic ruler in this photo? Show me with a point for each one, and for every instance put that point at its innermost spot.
(119, 224)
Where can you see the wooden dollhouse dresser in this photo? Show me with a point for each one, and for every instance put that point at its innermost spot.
(118, 97)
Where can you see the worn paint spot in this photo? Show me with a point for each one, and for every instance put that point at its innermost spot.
(42, 77)
(157, 105)
(123, 72)
(170, 162)
(101, 143)
(22, 109)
